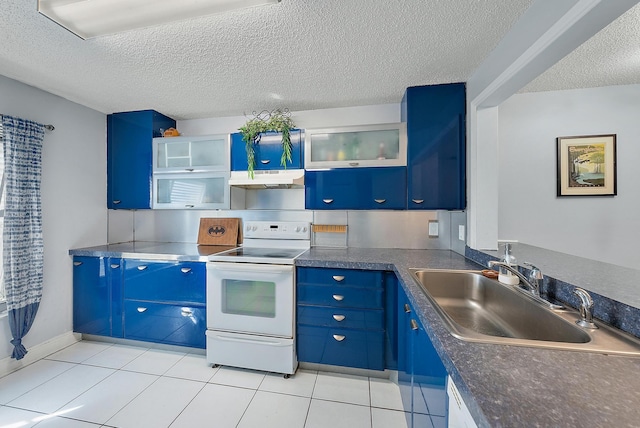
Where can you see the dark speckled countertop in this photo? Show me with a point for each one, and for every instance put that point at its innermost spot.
(503, 386)
(508, 386)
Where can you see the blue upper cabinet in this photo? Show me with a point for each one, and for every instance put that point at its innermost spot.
(435, 117)
(356, 188)
(129, 157)
(267, 152)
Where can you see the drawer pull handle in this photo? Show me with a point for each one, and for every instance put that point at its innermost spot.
(327, 201)
(189, 206)
(265, 161)
(115, 266)
(77, 263)
(354, 163)
(407, 308)
(186, 312)
(189, 169)
(142, 267)
(380, 201)
(116, 202)
(417, 201)
(338, 278)
(185, 270)
(339, 318)
(141, 310)
(414, 325)
(338, 297)
(339, 337)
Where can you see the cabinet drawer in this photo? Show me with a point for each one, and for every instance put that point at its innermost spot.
(163, 323)
(341, 347)
(348, 277)
(164, 281)
(366, 319)
(341, 297)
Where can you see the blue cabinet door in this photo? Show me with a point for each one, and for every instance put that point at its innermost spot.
(129, 157)
(97, 296)
(435, 117)
(267, 153)
(421, 374)
(356, 188)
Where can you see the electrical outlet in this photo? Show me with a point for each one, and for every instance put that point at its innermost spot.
(461, 235)
(433, 229)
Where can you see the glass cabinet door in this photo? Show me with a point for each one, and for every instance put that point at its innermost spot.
(191, 190)
(356, 146)
(205, 153)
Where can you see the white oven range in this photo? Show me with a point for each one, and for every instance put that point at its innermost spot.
(251, 298)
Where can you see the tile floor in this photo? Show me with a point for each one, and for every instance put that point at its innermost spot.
(93, 384)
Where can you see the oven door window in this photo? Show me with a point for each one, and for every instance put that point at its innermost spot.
(249, 298)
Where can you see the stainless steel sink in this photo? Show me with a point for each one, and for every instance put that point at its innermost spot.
(476, 308)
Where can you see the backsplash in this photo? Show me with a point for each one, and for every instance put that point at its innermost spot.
(365, 229)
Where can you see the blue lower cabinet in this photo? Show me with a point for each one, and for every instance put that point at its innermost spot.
(356, 188)
(97, 296)
(341, 277)
(165, 323)
(341, 347)
(421, 374)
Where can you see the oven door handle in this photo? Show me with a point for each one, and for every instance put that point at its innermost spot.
(248, 267)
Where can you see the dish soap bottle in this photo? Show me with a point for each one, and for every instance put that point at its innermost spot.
(505, 276)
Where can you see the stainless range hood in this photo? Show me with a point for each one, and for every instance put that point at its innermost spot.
(268, 179)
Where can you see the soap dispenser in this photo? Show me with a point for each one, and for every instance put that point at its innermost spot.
(505, 276)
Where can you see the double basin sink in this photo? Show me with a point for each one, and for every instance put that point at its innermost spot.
(479, 309)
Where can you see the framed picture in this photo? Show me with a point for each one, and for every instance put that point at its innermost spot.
(587, 165)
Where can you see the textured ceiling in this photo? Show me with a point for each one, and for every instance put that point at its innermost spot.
(299, 54)
(611, 57)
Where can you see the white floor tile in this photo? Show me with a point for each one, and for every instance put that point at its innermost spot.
(439, 421)
(154, 362)
(158, 405)
(17, 418)
(436, 398)
(343, 388)
(220, 403)
(78, 352)
(107, 398)
(58, 422)
(238, 377)
(301, 383)
(385, 394)
(384, 418)
(192, 367)
(52, 395)
(115, 356)
(323, 414)
(17, 383)
(269, 410)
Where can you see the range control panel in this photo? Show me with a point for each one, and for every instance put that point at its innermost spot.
(277, 230)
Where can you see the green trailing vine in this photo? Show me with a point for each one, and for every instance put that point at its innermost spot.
(277, 121)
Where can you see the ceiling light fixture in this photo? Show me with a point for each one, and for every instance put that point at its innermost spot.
(93, 18)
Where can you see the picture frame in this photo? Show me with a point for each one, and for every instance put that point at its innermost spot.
(586, 165)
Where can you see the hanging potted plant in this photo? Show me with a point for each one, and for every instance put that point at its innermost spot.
(276, 121)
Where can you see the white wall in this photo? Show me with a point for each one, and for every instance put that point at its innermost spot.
(73, 198)
(600, 228)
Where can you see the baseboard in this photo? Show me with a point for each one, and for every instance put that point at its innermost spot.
(37, 352)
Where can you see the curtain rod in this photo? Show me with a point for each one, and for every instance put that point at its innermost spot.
(47, 127)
